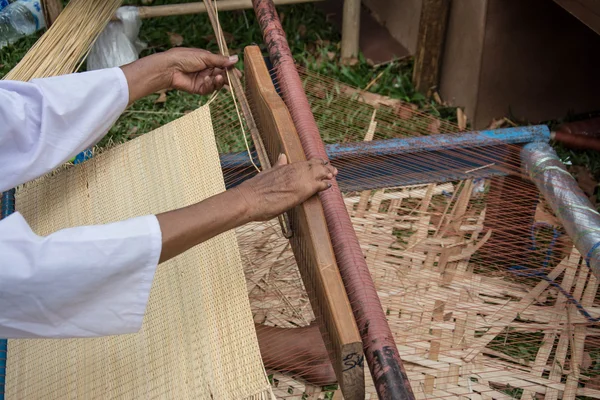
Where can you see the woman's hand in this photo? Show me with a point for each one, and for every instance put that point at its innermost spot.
(199, 71)
(191, 70)
(283, 187)
(263, 197)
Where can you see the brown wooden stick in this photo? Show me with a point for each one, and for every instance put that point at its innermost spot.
(350, 28)
(310, 243)
(199, 7)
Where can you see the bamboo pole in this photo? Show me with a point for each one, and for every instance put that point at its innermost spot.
(350, 28)
(200, 7)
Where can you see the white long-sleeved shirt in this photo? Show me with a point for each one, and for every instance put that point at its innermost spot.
(78, 282)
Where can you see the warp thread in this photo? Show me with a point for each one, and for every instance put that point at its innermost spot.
(519, 270)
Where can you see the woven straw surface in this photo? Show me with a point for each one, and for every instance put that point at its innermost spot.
(197, 340)
(462, 331)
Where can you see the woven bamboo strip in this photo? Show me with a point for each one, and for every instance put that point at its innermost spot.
(480, 310)
(198, 339)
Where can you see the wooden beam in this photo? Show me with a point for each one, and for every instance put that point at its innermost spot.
(51, 10)
(310, 242)
(430, 44)
(350, 28)
(199, 7)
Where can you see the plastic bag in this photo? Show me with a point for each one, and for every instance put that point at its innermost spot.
(118, 44)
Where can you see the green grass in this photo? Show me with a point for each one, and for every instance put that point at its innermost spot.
(313, 40)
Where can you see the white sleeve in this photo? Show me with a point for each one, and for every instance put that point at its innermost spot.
(45, 122)
(77, 282)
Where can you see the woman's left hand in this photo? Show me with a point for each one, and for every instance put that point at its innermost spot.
(192, 70)
(199, 71)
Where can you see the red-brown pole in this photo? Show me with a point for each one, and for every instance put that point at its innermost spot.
(588, 127)
(380, 349)
(577, 141)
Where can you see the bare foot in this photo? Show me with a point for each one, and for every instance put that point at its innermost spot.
(299, 352)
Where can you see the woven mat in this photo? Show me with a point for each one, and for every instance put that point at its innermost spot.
(463, 331)
(198, 340)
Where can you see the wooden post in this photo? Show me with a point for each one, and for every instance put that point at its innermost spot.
(310, 242)
(51, 10)
(350, 29)
(430, 44)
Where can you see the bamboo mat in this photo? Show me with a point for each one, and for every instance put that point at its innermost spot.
(198, 340)
(463, 331)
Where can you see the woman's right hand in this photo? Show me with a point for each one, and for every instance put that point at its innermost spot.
(276, 190)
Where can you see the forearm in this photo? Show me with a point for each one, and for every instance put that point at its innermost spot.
(187, 227)
(147, 75)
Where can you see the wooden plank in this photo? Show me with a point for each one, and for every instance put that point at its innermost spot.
(310, 242)
(430, 44)
(434, 349)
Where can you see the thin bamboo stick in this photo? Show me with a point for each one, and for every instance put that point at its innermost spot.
(63, 47)
(199, 8)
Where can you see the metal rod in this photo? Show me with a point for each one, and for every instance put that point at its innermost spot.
(8, 207)
(577, 141)
(381, 352)
(570, 204)
(383, 163)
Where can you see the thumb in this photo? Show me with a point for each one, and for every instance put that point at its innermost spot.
(212, 60)
(281, 160)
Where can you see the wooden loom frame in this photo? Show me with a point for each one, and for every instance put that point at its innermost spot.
(310, 242)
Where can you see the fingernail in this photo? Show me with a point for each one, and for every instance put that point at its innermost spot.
(233, 59)
(328, 185)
